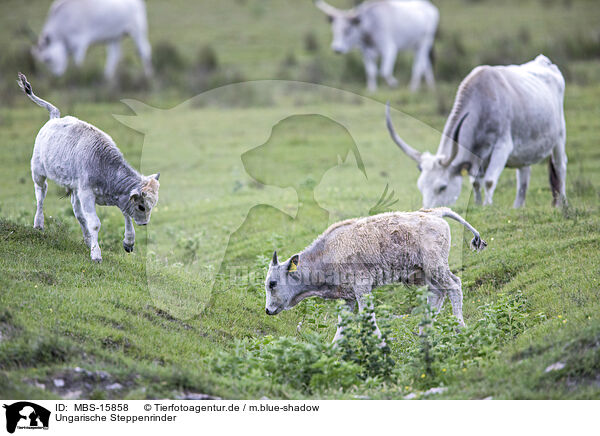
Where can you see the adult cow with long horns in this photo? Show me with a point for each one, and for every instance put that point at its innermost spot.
(503, 116)
(382, 28)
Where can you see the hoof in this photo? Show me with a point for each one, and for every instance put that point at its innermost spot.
(38, 227)
(128, 247)
(97, 259)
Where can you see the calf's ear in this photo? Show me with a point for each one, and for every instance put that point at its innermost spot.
(135, 194)
(293, 266)
(274, 260)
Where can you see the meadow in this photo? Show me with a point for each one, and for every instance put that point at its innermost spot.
(253, 124)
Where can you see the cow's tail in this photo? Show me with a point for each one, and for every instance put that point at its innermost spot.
(554, 182)
(26, 87)
(477, 243)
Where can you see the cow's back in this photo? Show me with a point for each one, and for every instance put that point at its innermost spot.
(70, 152)
(95, 19)
(387, 241)
(407, 23)
(524, 102)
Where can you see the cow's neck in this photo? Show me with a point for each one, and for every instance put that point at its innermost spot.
(120, 188)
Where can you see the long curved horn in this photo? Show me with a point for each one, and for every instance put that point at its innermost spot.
(411, 152)
(454, 142)
(327, 8)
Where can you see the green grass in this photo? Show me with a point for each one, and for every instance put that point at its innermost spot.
(155, 319)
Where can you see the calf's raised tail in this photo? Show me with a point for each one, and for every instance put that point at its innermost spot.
(26, 87)
(477, 243)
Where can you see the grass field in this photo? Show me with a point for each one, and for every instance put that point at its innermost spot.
(268, 164)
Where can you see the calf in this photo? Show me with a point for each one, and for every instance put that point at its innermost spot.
(353, 257)
(86, 161)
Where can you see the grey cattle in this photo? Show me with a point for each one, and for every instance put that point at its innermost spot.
(503, 116)
(73, 25)
(86, 161)
(353, 257)
(382, 28)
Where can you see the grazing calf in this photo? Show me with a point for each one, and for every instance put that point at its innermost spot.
(86, 161)
(353, 257)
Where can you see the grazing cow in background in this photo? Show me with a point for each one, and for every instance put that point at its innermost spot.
(73, 25)
(86, 161)
(353, 257)
(503, 116)
(381, 29)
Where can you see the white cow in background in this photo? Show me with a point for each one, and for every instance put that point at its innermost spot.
(73, 25)
(381, 29)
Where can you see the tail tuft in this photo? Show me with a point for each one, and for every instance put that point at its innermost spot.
(478, 244)
(26, 87)
(24, 84)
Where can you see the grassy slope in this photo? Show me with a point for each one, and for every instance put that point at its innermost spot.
(57, 310)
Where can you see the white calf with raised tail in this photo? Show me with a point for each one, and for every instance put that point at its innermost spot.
(85, 160)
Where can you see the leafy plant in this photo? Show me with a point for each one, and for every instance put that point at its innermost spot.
(360, 345)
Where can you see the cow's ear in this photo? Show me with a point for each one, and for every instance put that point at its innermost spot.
(135, 194)
(355, 21)
(293, 266)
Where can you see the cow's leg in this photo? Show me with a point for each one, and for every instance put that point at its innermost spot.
(113, 54)
(351, 304)
(88, 207)
(144, 50)
(497, 163)
(388, 61)
(421, 67)
(79, 52)
(362, 304)
(452, 285)
(558, 174)
(436, 299)
(41, 187)
(428, 65)
(476, 183)
(522, 185)
(129, 239)
(78, 211)
(370, 61)
(417, 69)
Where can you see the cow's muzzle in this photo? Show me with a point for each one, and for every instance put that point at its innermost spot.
(272, 312)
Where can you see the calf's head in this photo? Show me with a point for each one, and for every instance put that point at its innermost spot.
(345, 26)
(51, 51)
(283, 285)
(440, 181)
(143, 199)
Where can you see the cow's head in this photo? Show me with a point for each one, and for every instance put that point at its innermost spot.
(52, 51)
(345, 26)
(440, 181)
(142, 200)
(283, 286)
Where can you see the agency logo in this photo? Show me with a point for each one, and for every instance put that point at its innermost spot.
(26, 415)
